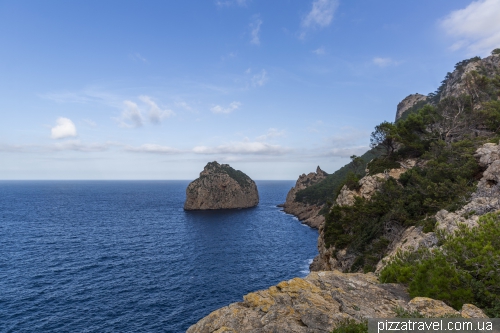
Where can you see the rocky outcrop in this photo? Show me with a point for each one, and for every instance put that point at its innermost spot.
(457, 82)
(318, 303)
(407, 103)
(329, 258)
(221, 187)
(485, 199)
(306, 213)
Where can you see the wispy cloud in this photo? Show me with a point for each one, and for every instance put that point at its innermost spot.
(131, 115)
(226, 3)
(90, 122)
(138, 56)
(77, 145)
(346, 152)
(232, 107)
(156, 115)
(321, 14)
(475, 28)
(384, 62)
(255, 31)
(259, 79)
(320, 51)
(65, 128)
(244, 147)
(153, 148)
(271, 133)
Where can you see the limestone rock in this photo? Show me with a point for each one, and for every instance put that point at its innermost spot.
(472, 311)
(408, 102)
(306, 213)
(431, 308)
(314, 304)
(221, 187)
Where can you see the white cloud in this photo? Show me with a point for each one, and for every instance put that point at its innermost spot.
(255, 31)
(76, 145)
(475, 27)
(258, 80)
(346, 152)
(153, 148)
(271, 133)
(90, 123)
(138, 56)
(219, 109)
(242, 3)
(321, 14)
(245, 147)
(65, 128)
(384, 62)
(320, 51)
(156, 115)
(131, 116)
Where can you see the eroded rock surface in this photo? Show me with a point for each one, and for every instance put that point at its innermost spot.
(317, 303)
(221, 187)
(408, 102)
(306, 213)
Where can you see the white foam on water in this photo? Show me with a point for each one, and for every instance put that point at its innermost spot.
(306, 271)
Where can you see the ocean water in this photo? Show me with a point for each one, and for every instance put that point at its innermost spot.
(123, 256)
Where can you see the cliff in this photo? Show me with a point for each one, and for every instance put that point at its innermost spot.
(319, 303)
(307, 213)
(221, 187)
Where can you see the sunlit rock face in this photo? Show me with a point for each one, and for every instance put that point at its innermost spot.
(221, 187)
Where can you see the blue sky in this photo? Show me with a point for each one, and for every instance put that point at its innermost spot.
(156, 89)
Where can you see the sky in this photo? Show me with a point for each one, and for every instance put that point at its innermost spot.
(122, 89)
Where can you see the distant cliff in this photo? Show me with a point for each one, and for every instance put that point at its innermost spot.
(307, 213)
(221, 187)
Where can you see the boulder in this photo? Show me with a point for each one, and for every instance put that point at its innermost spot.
(221, 187)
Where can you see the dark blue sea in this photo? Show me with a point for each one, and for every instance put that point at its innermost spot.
(123, 256)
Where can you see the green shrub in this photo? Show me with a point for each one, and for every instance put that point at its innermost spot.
(351, 326)
(465, 270)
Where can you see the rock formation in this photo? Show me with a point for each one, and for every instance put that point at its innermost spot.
(328, 258)
(221, 187)
(317, 303)
(306, 213)
(409, 102)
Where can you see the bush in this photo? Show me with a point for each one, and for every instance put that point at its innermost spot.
(465, 270)
(351, 326)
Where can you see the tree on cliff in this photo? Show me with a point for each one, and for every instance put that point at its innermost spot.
(384, 136)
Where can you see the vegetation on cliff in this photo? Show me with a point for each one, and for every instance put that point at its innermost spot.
(442, 133)
(466, 269)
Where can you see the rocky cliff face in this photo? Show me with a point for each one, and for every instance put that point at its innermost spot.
(328, 258)
(221, 187)
(306, 213)
(484, 200)
(407, 103)
(457, 83)
(318, 303)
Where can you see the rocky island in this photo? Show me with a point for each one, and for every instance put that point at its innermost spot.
(221, 187)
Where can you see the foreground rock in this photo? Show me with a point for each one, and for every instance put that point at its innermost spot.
(308, 214)
(221, 187)
(317, 303)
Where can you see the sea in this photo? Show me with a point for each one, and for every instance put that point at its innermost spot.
(123, 256)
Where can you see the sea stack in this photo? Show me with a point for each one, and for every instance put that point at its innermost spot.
(221, 187)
